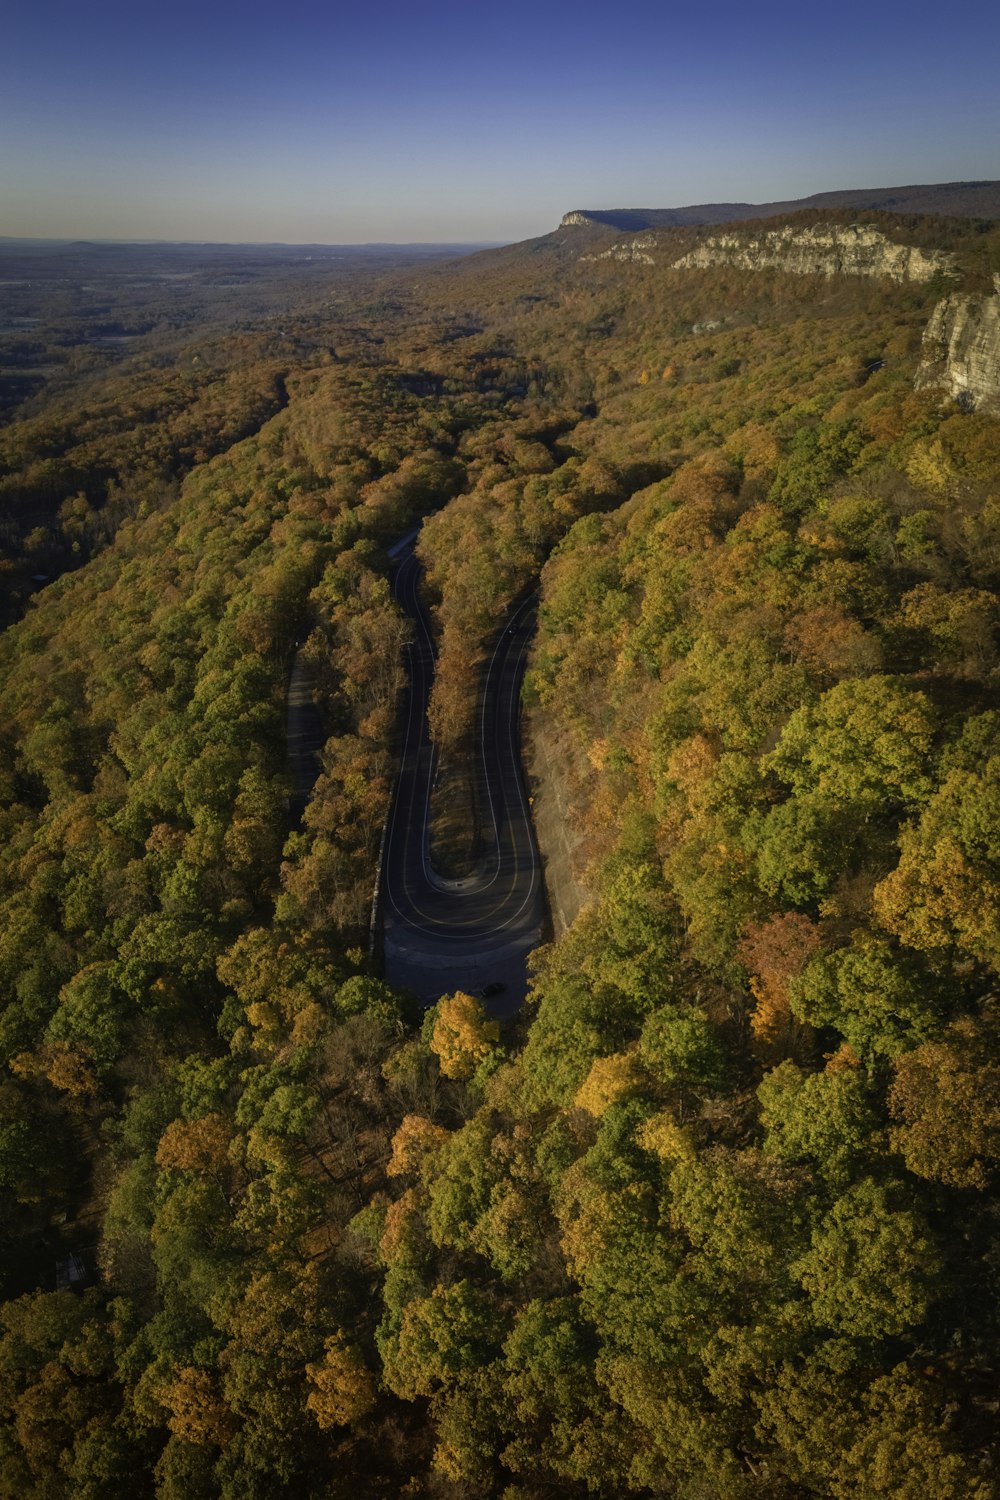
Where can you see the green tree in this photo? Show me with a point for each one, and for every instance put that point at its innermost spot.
(455, 1330)
(872, 1270)
(866, 742)
(880, 999)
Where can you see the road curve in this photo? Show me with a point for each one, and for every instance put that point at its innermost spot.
(441, 935)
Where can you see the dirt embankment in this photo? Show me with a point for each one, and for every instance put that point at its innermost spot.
(550, 776)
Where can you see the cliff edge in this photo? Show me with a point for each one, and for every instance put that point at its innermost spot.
(962, 349)
(826, 250)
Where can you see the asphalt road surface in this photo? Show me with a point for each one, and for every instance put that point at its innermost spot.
(442, 935)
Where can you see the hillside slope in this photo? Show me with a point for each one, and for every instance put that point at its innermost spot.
(716, 1216)
(971, 200)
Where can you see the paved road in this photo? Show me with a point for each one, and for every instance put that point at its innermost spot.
(441, 935)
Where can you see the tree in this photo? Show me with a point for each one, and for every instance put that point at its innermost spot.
(197, 1414)
(775, 952)
(89, 1018)
(681, 1047)
(945, 890)
(945, 1097)
(855, 1437)
(958, 625)
(462, 1035)
(610, 1080)
(832, 644)
(866, 742)
(880, 999)
(549, 1380)
(803, 847)
(455, 1330)
(344, 1391)
(872, 1268)
(574, 1025)
(414, 1146)
(826, 1118)
(196, 1145)
(465, 1174)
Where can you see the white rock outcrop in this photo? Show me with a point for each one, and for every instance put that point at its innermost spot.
(962, 349)
(633, 250)
(826, 250)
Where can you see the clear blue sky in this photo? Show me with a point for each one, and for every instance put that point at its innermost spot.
(320, 120)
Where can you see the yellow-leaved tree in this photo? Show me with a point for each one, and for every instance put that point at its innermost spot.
(343, 1388)
(197, 1412)
(463, 1035)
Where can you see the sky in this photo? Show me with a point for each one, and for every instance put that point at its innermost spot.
(320, 121)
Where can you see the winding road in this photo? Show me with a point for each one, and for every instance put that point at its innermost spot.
(472, 934)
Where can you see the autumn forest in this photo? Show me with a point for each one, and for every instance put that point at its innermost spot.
(714, 1215)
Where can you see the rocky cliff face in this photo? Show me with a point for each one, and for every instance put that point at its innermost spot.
(961, 341)
(635, 250)
(962, 349)
(826, 250)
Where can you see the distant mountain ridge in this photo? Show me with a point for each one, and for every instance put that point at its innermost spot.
(964, 200)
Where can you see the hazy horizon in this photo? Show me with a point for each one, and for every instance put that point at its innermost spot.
(95, 239)
(332, 127)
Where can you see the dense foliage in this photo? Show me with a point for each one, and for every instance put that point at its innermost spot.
(716, 1217)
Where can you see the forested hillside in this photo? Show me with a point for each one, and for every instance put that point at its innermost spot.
(716, 1216)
